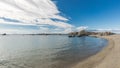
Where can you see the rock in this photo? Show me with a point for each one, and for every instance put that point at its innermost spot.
(86, 33)
(4, 34)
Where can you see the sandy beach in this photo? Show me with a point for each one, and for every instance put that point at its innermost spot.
(109, 57)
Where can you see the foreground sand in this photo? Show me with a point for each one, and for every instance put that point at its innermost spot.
(109, 57)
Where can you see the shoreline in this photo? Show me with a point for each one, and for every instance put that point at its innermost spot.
(96, 60)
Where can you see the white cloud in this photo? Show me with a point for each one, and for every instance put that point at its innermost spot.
(115, 30)
(81, 28)
(34, 12)
(28, 11)
(16, 31)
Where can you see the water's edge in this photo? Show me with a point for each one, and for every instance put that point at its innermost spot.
(94, 60)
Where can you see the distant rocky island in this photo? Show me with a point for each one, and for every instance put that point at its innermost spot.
(72, 34)
(87, 33)
(3, 34)
(36, 34)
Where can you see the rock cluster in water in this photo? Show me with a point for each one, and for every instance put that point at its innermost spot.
(86, 33)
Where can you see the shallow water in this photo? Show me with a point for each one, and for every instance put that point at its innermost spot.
(46, 51)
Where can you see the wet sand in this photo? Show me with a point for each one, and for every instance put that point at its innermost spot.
(109, 57)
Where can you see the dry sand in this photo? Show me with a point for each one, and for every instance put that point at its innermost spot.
(109, 57)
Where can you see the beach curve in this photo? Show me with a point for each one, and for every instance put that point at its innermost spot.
(106, 58)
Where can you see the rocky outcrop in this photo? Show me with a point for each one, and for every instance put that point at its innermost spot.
(82, 33)
(73, 34)
(86, 33)
(4, 34)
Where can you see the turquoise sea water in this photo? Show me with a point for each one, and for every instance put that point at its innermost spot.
(46, 51)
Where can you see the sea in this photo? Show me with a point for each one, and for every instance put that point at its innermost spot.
(47, 51)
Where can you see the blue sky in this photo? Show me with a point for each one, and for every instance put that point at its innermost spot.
(58, 15)
(96, 14)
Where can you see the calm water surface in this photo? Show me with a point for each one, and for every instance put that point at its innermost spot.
(51, 51)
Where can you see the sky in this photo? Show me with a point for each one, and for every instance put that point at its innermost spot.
(96, 14)
(58, 16)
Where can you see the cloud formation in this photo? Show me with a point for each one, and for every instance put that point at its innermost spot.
(33, 12)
